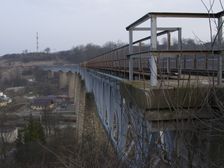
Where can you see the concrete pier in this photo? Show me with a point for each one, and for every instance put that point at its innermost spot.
(71, 84)
(50, 74)
(63, 80)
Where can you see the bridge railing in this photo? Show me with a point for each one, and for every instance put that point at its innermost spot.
(204, 62)
(139, 61)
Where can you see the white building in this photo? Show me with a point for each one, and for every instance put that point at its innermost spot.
(4, 100)
(8, 135)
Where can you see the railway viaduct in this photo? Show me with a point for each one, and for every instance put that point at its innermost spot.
(153, 103)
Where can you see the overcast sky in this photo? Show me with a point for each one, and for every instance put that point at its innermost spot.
(63, 24)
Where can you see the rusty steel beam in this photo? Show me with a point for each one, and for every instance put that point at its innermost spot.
(158, 28)
(167, 53)
(173, 15)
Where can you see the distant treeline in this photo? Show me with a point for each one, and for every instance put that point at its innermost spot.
(75, 55)
(85, 52)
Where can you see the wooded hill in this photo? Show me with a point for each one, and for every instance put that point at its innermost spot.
(85, 52)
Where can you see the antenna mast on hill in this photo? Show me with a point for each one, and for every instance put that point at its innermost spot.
(37, 38)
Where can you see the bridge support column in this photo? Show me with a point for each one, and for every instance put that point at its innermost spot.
(63, 80)
(89, 121)
(123, 124)
(106, 98)
(50, 74)
(71, 85)
(77, 92)
(153, 58)
(79, 102)
(220, 40)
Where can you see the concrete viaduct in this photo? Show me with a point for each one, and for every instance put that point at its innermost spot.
(150, 101)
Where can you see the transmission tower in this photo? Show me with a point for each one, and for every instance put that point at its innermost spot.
(37, 38)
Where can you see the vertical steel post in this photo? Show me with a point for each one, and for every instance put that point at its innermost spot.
(220, 27)
(180, 48)
(153, 59)
(130, 52)
(140, 62)
(168, 48)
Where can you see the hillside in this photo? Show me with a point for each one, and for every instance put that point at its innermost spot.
(74, 56)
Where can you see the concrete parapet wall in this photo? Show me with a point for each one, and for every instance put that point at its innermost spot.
(164, 98)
